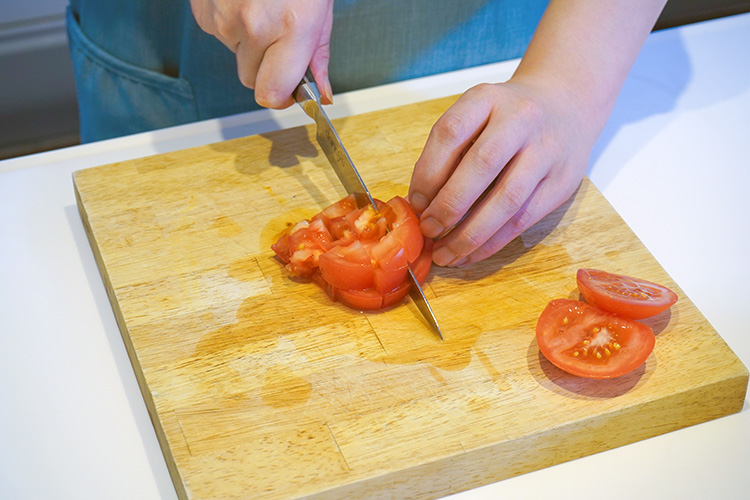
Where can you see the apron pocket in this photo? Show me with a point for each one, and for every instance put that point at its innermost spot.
(118, 98)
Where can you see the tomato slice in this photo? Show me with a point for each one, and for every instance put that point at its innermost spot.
(588, 342)
(367, 223)
(390, 263)
(359, 256)
(341, 208)
(348, 267)
(630, 297)
(406, 227)
(372, 300)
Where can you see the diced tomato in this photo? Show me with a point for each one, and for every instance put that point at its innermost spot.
(630, 297)
(588, 342)
(341, 207)
(281, 247)
(348, 267)
(390, 263)
(367, 223)
(370, 299)
(406, 228)
(364, 300)
(359, 256)
(306, 242)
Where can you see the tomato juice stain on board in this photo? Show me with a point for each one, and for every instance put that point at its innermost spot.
(226, 227)
(454, 353)
(284, 388)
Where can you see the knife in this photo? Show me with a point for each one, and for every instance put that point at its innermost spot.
(307, 96)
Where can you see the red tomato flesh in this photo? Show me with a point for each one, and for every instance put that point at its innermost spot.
(348, 267)
(630, 297)
(588, 342)
(371, 300)
(359, 256)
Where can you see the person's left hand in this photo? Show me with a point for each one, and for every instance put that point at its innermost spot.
(525, 142)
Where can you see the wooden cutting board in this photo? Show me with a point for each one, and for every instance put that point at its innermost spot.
(260, 387)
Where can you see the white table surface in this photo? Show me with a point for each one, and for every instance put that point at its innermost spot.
(674, 161)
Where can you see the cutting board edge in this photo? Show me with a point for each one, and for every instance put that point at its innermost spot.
(460, 477)
(161, 435)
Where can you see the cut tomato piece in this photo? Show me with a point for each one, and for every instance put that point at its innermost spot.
(390, 263)
(341, 208)
(367, 223)
(306, 242)
(359, 256)
(281, 247)
(371, 299)
(348, 267)
(630, 297)
(364, 300)
(421, 267)
(588, 342)
(406, 227)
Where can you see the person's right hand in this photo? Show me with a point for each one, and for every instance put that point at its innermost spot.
(274, 42)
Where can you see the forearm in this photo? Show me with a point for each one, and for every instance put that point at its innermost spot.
(586, 48)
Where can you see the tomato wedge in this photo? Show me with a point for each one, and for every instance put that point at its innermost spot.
(588, 342)
(359, 256)
(630, 297)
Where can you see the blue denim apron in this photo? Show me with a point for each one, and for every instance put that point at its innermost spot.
(142, 65)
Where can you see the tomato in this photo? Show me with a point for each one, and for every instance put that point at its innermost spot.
(359, 256)
(348, 267)
(630, 297)
(406, 227)
(390, 263)
(370, 299)
(588, 342)
(301, 246)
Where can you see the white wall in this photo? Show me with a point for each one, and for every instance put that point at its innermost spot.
(37, 92)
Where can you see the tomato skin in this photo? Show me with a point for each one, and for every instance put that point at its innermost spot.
(372, 300)
(630, 297)
(341, 207)
(281, 247)
(348, 267)
(359, 256)
(390, 263)
(588, 342)
(406, 227)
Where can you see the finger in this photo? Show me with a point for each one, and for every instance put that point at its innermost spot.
(284, 64)
(256, 33)
(485, 159)
(449, 138)
(546, 198)
(504, 201)
(248, 61)
(320, 60)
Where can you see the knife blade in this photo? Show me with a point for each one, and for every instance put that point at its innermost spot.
(307, 96)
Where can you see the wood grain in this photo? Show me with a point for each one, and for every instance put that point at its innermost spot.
(259, 387)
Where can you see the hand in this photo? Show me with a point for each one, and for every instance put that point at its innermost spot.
(274, 41)
(523, 142)
(527, 142)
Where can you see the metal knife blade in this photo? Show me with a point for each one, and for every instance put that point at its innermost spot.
(308, 97)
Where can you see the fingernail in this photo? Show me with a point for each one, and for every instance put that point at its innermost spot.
(443, 256)
(418, 202)
(431, 228)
